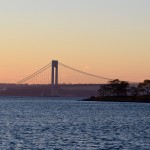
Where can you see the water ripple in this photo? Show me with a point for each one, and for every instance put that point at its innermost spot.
(73, 125)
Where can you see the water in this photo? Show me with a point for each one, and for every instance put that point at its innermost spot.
(68, 124)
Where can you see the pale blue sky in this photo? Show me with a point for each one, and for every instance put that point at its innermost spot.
(127, 9)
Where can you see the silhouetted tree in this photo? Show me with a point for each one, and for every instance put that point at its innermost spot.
(104, 90)
(145, 87)
(141, 89)
(134, 91)
(114, 88)
(123, 88)
(119, 88)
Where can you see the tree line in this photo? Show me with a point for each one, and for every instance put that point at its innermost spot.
(124, 88)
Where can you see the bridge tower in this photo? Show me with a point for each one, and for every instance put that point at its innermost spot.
(54, 78)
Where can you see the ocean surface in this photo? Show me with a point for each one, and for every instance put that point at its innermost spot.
(69, 124)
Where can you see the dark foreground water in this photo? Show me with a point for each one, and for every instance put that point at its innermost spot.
(68, 124)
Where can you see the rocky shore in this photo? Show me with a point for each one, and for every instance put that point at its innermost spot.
(139, 99)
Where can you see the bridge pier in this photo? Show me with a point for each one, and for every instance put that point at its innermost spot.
(54, 78)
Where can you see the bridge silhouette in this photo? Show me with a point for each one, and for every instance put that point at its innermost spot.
(57, 74)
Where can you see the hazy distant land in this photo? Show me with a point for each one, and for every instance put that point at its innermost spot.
(71, 90)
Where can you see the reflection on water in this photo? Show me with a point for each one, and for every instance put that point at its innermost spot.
(37, 123)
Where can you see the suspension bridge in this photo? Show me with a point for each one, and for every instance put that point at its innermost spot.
(59, 77)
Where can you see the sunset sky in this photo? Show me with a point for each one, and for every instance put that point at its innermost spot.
(110, 38)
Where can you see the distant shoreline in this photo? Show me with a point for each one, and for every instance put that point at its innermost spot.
(137, 99)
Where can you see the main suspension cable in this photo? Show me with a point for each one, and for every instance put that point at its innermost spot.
(34, 74)
(82, 72)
